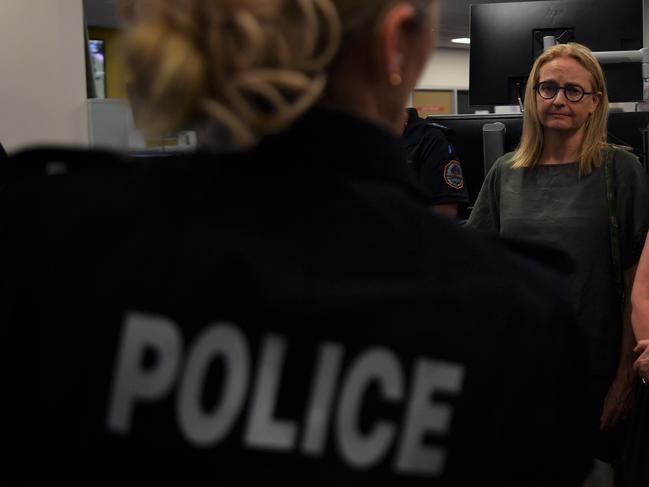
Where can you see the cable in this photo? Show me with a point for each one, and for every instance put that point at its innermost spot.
(558, 39)
(520, 96)
(620, 140)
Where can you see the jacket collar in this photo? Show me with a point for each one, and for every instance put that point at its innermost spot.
(343, 143)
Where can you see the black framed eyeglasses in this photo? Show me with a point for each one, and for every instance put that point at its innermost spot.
(573, 93)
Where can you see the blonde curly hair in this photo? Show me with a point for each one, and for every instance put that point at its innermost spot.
(239, 69)
(249, 67)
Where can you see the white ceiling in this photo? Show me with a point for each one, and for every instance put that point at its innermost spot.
(454, 22)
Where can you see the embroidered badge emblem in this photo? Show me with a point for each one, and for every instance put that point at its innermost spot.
(453, 175)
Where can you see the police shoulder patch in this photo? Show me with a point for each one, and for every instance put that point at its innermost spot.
(453, 175)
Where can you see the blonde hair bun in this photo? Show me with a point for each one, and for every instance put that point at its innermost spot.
(242, 67)
(170, 74)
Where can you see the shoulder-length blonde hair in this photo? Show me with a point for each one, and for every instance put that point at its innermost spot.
(528, 152)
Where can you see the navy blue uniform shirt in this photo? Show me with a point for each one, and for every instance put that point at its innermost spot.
(433, 161)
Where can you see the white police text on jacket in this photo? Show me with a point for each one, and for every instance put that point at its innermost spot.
(334, 403)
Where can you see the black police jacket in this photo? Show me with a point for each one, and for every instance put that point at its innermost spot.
(292, 315)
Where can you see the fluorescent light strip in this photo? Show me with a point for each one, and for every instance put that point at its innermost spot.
(462, 40)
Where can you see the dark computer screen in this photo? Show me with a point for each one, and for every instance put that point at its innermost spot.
(506, 38)
(466, 137)
(624, 128)
(98, 63)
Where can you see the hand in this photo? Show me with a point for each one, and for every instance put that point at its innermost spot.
(617, 402)
(641, 365)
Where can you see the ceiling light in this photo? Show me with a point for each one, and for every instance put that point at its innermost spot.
(462, 40)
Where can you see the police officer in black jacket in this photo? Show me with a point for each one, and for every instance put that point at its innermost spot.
(434, 163)
(287, 313)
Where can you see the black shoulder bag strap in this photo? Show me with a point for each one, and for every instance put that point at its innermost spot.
(614, 226)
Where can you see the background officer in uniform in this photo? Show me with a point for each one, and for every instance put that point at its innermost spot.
(434, 163)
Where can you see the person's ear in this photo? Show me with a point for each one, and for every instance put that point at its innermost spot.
(597, 98)
(392, 41)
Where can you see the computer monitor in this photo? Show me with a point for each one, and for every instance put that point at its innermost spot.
(466, 137)
(625, 128)
(98, 62)
(506, 38)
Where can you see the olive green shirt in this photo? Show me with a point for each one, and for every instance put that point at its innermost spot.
(552, 205)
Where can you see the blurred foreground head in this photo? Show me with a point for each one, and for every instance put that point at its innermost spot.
(239, 69)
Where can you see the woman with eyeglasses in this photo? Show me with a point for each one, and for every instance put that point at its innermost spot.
(552, 190)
